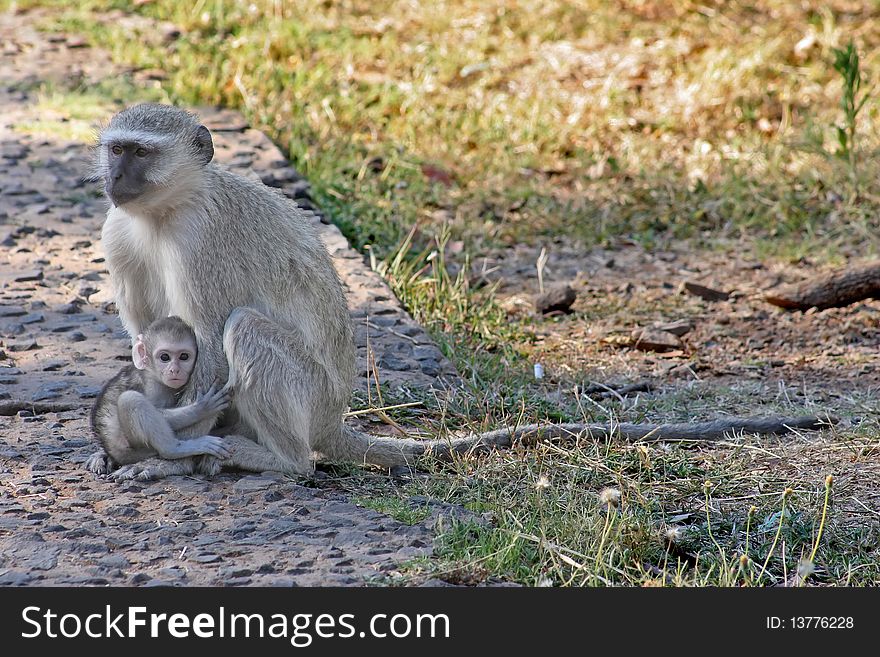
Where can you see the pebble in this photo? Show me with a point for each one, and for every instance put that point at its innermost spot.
(12, 311)
(22, 345)
(30, 275)
(206, 558)
(393, 363)
(88, 392)
(12, 329)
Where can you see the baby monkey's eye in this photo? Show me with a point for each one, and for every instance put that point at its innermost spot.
(117, 149)
(165, 358)
(184, 356)
(141, 152)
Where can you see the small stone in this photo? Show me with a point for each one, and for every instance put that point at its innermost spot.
(206, 558)
(235, 572)
(122, 511)
(15, 578)
(558, 298)
(654, 340)
(12, 151)
(393, 363)
(252, 483)
(88, 392)
(705, 293)
(63, 327)
(32, 318)
(56, 386)
(67, 308)
(85, 290)
(679, 327)
(23, 345)
(299, 189)
(427, 352)
(12, 311)
(278, 177)
(12, 329)
(77, 336)
(29, 275)
(430, 368)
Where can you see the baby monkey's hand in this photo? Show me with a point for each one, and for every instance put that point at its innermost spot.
(215, 399)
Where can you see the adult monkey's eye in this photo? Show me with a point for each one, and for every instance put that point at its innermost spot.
(141, 152)
(165, 358)
(117, 149)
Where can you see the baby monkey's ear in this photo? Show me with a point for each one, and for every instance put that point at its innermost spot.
(139, 355)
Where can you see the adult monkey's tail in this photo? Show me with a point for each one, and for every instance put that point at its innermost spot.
(388, 452)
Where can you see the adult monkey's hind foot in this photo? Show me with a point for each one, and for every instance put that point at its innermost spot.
(100, 463)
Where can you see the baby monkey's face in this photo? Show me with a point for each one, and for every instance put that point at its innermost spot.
(173, 362)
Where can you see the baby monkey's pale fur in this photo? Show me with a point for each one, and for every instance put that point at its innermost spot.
(245, 268)
(135, 416)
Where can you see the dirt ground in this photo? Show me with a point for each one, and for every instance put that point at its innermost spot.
(627, 288)
(739, 356)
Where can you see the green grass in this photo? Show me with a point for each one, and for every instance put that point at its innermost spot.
(398, 509)
(536, 119)
(434, 133)
(72, 112)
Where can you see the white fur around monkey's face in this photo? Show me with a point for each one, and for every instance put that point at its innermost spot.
(171, 362)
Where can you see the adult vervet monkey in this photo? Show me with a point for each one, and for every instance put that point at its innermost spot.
(245, 268)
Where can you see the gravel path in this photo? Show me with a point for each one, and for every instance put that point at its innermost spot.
(60, 340)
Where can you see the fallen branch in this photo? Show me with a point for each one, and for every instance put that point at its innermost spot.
(840, 289)
(603, 391)
(37, 408)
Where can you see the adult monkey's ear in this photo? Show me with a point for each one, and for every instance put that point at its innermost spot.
(205, 144)
(139, 355)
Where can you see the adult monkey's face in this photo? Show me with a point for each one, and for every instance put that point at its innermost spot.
(152, 154)
(129, 163)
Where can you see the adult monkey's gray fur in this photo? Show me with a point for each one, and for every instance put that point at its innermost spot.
(245, 268)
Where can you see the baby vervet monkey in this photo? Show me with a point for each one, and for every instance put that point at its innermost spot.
(135, 415)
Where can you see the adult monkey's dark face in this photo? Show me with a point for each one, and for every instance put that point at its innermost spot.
(150, 156)
(128, 164)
